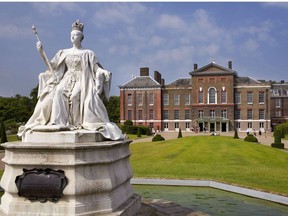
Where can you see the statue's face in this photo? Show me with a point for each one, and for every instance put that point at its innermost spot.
(76, 36)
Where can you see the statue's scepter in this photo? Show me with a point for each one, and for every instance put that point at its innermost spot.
(44, 54)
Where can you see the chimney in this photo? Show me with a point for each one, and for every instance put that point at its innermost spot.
(195, 66)
(230, 65)
(162, 82)
(157, 76)
(144, 71)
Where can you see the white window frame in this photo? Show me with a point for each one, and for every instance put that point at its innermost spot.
(210, 96)
(176, 99)
(249, 97)
(166, 99)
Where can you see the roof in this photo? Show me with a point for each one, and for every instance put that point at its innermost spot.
(212, 69)
(246, 80)
(140, 82)
(181, 82)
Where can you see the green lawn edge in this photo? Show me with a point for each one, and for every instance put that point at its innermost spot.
(221, 159)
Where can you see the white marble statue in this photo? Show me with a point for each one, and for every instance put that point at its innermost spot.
(69, 92)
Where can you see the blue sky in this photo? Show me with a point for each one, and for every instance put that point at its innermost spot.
(165, 36)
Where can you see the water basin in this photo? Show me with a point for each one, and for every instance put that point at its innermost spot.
(212, 201)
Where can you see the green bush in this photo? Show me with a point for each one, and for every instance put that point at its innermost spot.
(3, 136)
(139, 132)
(128, 123)
(148, 132)
(179, 133)
(250, 138)
(275, 145)
(158, 137)
(278, 133)
(129, 129)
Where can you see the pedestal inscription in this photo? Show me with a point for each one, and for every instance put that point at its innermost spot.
(41, 185)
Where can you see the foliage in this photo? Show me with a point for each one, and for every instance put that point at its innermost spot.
(113, 109)
(139, 132)
(250, 138)
(283, 128)
(143, 130)
(3, 133)
(158, 137)
(148, 132)
(34, 96)
(277, 135)
(179, 133)
(280, 145)
(128, 123)
(129, 129)
(236, 134)
(19, 108)
(277, 138)
(223, 158)
(16, 110)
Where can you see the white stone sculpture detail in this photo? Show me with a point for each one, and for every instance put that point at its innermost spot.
(69, 95)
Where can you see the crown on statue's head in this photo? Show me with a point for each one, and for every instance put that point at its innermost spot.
(77, 25)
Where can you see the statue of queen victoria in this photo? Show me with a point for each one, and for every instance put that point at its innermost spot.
(69, 92)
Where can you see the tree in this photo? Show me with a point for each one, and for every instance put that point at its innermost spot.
(113, 109)
(139, 132)
(3, 133)
(33, 96)
(179, 133)
(236, 134)
(277, 138)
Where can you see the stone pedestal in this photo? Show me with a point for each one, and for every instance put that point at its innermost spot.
(98, 175)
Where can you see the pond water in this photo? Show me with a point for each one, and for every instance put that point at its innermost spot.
(212, 201)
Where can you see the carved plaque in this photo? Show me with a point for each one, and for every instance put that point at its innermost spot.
(41, 184)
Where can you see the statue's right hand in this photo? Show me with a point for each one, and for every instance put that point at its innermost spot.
(39, 46)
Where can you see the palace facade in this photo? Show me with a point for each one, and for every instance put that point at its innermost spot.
(214, 98)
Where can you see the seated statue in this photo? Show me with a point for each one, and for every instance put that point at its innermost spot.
(69, 96)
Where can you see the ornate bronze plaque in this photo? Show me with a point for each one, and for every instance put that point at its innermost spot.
(41, 185)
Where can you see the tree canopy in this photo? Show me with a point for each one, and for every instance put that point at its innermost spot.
(17, 110)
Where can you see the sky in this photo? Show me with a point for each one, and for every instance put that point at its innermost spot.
(169, 37)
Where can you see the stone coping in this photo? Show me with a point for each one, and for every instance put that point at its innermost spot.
(213, 184)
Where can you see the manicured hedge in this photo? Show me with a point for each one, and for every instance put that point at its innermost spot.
(158, 137)
(250, 138)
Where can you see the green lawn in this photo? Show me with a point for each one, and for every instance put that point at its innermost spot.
(218, 158)
(12, 138)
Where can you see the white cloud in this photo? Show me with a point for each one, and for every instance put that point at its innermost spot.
(171, 22)
(117, 13)
(56, 9)
(11, 30)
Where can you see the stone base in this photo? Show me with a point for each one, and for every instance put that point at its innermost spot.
(98, 176)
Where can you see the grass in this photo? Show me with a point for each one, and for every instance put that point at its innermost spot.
(12, 138)
(222, 159)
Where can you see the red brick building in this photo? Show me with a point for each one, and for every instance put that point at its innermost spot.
(213, 98)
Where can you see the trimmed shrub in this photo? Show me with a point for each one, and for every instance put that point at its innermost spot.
(250, 138)
(129, 129)
(158, 137)
(280, 146)
(277, 138)
(148, 132)
(236, 134)
(139, 132)
(179, 133)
